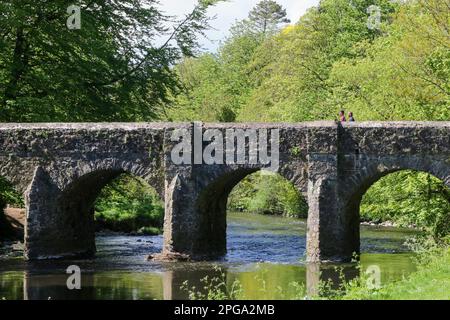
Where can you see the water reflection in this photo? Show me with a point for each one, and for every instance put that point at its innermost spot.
(173, 281)
(333, 276)
(45, 287)
(127, 286)
(258, 281)
(266, 257)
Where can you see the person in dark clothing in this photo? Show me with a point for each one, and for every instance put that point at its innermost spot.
(342, 116)
(350, 117)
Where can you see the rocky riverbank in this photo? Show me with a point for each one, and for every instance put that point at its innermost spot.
(11, 249)
(387, 224)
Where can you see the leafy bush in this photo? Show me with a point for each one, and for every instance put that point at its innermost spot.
(430, 282)
(8, 195)
(128, 204)
(410, 198)
(266, 193)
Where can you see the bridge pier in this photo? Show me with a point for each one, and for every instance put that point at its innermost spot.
(332, 234)
(60, 224)
(195, 218)
(180, 221)
(45, 234)
(196, 200)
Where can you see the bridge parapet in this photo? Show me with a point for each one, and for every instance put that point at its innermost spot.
(62, 167)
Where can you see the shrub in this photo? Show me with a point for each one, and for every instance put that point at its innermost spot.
(410, 198)
(267, 193)
(128, 204)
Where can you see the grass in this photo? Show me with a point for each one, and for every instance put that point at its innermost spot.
(430, 282)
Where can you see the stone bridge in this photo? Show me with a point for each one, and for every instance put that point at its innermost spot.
(61, 168)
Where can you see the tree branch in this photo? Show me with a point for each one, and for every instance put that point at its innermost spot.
(162, 47)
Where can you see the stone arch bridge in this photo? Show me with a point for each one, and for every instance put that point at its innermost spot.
(61, 168)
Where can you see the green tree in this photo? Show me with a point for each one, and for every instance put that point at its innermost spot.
(292, 69)
(215, 87)
(266, 16)
(403, 75)
(112, 69)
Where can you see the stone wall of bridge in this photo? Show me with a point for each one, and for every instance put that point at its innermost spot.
(61, 168)
(372, 150)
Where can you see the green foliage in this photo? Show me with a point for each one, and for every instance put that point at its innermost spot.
(263, 19)
(215, 86)
(410, 198)
(403, 75)
(430, 282)
(330, 60)
(8, 195)
(109, 70)
(267, 193)
(128, 204)
(293, 68)
(221, 287)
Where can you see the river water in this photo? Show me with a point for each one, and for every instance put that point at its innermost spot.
(265, 254)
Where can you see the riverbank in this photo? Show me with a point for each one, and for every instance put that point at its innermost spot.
(12, 224)
(387, 224)
(12, 227)
(431, 281)
(11, 249)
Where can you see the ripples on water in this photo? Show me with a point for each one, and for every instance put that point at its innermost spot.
(261, 250)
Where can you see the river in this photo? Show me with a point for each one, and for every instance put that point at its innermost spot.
(265, 254)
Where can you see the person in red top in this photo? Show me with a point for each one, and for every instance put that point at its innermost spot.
(342, 116)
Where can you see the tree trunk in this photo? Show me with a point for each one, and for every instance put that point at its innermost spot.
(18, 66)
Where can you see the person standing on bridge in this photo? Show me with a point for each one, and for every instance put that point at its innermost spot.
(350, 117)
(342, 116)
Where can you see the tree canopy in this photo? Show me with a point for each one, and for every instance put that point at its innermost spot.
(331, 60)
(265, 18)
(117, 67)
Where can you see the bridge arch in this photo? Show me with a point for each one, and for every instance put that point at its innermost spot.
(75, 207)
(358, 184)
(12, 212)
(60, 219)
(355, 187)
(211, 206)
